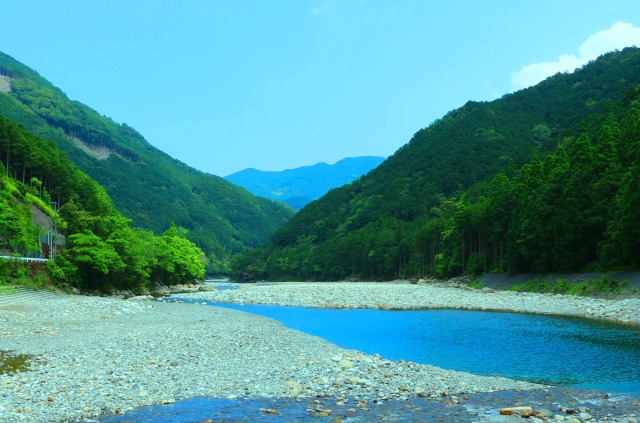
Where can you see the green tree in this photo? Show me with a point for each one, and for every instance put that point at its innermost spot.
(179, 260)
(621, 247)
(94, 258)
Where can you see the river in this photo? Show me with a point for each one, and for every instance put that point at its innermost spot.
(560, 351)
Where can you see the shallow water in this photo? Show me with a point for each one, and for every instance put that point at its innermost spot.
(421, 410)
(551, 350)
(555, 350)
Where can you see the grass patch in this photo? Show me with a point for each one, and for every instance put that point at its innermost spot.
(38, 281)
(477, 284)
(11, 363)
(601, 287)
(7, 290)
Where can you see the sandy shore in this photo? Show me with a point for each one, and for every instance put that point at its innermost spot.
(102, 355)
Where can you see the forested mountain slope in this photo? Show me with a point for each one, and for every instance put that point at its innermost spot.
(298, 187)
(101, 252)
(392, 222)
(145, 184)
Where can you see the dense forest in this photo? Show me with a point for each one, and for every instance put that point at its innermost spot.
(102, 252)
(146, 185)
(542, 180)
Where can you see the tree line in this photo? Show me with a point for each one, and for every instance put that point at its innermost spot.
(103, 252)
(146, 185)
(574, 209)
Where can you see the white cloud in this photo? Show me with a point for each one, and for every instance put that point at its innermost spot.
(619, 36)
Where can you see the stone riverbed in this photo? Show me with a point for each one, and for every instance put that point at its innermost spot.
(94, 356)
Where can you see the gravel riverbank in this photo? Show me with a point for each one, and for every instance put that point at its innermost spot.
(407, 296)
(100, 355)
(93, 355)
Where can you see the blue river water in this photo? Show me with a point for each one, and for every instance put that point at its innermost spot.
(552, 350)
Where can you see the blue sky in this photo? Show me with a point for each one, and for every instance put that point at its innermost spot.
(224, 85)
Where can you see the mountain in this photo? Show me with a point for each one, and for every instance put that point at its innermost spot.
(298, 187)
(146, 185)
(89, 244)
(396, 220)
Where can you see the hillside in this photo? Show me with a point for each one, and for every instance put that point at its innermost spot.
(393, 221)
(96, 249)
(298, 187)
(146, 185)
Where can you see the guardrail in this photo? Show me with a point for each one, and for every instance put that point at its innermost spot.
(28, 259)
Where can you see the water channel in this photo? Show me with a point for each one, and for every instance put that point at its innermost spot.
(553, 350)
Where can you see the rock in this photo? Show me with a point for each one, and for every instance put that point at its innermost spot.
(542, 414)
(345, 364)
(141, 298)
(295, 388)
(517, 411)
(420, 391)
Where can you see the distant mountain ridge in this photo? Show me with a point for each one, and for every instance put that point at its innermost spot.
(299, 186)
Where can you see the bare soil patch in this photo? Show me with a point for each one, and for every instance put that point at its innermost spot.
(98, 153)
(5, 84)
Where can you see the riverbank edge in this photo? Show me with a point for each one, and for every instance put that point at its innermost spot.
(92, 356)
(403, 295)
(40, 329)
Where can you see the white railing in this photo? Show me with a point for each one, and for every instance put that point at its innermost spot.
(30, 259)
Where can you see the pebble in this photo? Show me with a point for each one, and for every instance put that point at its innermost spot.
(97, 355)
(405, 296)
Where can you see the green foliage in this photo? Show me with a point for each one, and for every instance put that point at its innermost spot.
(477, 284)
(17, 233)
(12, 363)
(543, 180)
(11, 270)
(600, 287)
(179, 259)
(14, 272)
(37, 280)
(249, 265)
(146, 185)
(94, 258)
(102, 251)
